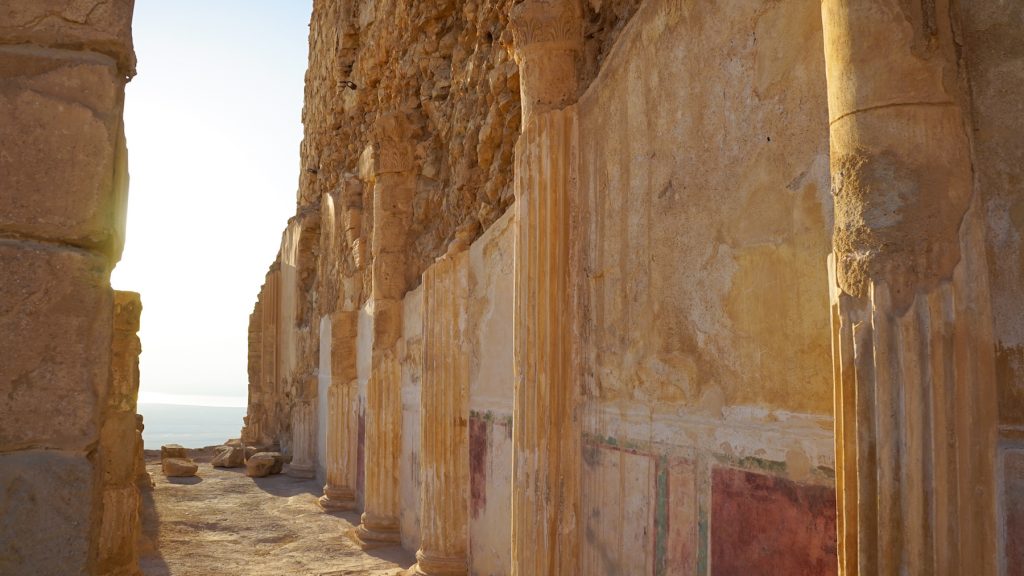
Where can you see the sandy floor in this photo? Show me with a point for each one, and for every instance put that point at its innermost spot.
(223, 523)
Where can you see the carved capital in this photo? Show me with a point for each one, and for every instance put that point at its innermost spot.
(392, 138)
(548, 38)
(556, 24)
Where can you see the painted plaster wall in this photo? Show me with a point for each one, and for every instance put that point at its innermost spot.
(490, 398)
(364, 349)
(994, 34)
(706, 216)
(411, 350)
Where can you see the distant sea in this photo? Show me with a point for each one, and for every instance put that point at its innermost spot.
(193, 423)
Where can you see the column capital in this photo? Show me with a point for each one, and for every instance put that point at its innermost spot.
(552, 24)
(391, 137)
(548, 36)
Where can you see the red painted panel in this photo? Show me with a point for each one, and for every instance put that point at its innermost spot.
(478, 452)
(766, 525)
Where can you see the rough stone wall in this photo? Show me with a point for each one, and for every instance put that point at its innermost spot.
(63, 192)
(448, 66)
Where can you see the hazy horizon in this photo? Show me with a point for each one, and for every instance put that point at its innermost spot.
(213, 123)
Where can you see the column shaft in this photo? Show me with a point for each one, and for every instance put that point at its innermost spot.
(339, 492)
(394, 183)
(915, 412)
(445, 416)
(545, 495)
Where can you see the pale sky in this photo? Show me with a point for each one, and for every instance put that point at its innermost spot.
(213, 122)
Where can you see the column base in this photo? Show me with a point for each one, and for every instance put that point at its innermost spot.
(376, 533)
(300, 471)
(430, 565)
(337, 499)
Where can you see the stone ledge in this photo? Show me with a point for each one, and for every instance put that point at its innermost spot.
(103, 26)
(64, 152)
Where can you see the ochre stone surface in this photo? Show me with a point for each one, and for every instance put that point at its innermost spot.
(44, 92)
(55, 304)
(69, 376)
(47, 498)
(103, 26)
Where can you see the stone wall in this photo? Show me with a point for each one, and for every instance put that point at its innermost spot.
(994, 34)
(707, 214)
(67, 388)
(655, 282)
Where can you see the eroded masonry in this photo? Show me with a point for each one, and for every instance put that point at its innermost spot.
(71, 465)
(651, 287)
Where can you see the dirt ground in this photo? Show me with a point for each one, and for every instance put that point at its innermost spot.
(223, 523)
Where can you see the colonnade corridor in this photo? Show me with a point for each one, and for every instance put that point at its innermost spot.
(225, 523)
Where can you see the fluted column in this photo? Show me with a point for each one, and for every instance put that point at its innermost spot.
(339, 492)
(915, 413)
(394, 183)
(267, 410)
(545, 494)
(303, 464)
(119, 443)
(444, 401)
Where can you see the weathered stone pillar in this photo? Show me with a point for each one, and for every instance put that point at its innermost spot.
(915, 413)
(444, 402)
(545, 494)
(394, 187)
(63, 200)
(265, 409)
(252, 430)
(118, 443)
(303, 464)
(339, 491)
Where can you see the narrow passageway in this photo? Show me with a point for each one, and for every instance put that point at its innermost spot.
(223, 523)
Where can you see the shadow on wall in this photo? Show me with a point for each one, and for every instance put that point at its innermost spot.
(151, 562)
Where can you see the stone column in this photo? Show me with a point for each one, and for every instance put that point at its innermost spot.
(118, 440)
(63, 200)
(303, 464)
(545, 494)
(267, 409)
(393, 190)
(444, 405)
(339, 491)
(915, 412)
(252, 430)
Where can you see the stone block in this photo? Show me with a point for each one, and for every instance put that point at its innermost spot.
(389, 276)
(55, 331)
(102, 26)
(173, 451)
(264, 464)
(229, 457)
(387, 323)
(63, 168)
(763, 524)
(118, 529)
(46, 507)
(179, 467)
(117, 448)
